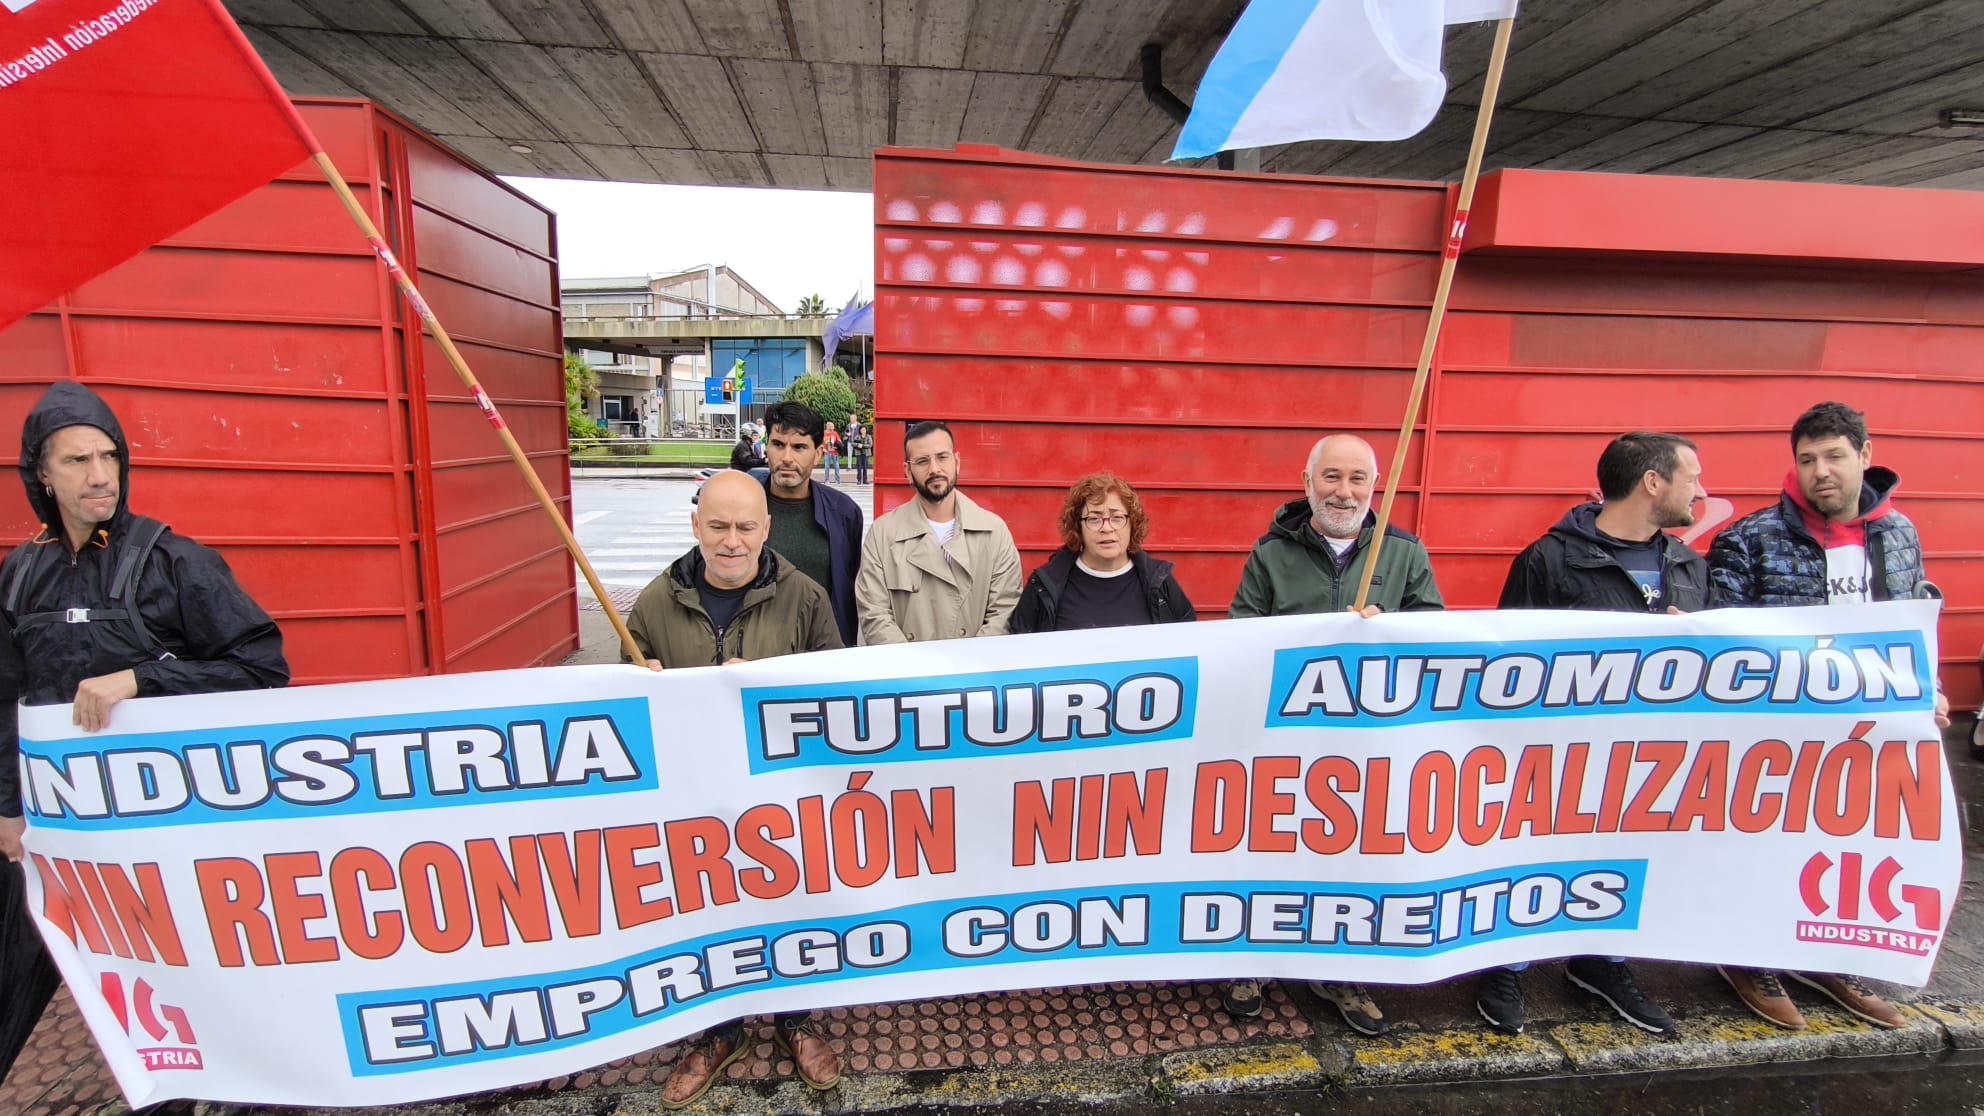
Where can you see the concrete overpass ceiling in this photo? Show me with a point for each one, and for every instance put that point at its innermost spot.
(796, 93)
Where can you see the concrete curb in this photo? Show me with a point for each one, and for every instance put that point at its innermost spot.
(1409, 1056)
(638, 472)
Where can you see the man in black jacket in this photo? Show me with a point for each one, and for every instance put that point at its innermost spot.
(1614, 556)
(74, 633)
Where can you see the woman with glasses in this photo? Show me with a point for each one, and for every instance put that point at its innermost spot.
(1101, 577)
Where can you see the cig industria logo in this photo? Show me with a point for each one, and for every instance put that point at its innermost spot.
(16, 6)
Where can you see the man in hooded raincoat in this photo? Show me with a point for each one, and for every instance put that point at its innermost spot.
(69, 638)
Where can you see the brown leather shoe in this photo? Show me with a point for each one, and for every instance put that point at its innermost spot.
(697, 1070)
(813, 1058)
(1854, 995)
(1762, 992)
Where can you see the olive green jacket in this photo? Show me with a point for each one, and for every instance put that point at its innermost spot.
(784, 613)
(1292, 571)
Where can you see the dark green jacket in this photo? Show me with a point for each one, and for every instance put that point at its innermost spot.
(1292, 571)
(784, 613)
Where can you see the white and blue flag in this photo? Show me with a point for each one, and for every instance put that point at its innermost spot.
(1326, 69)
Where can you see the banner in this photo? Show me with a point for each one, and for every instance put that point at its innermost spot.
(401, 890)
(121, 123)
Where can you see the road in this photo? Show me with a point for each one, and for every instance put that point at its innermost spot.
(632, 528)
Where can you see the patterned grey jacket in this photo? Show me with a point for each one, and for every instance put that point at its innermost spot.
(1770, 557)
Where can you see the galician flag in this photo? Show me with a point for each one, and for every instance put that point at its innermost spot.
(1326, 69)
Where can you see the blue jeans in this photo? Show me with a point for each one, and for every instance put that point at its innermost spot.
(833, 467)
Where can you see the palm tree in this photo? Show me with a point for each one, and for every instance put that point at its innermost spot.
(812, 306)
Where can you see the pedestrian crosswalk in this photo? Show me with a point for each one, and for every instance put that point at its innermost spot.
(630, 542)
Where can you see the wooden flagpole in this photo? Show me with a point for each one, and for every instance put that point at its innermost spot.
(1449, 258)
(412, 295)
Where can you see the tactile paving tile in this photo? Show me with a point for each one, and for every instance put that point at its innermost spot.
(61, 1074)
(623, 597)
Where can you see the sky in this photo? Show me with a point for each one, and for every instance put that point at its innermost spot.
(786, 243)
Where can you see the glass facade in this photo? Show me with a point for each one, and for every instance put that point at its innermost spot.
(772, 364)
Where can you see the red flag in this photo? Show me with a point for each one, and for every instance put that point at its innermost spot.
(121, 123)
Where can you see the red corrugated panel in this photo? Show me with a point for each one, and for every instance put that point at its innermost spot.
(258, 363)
(1196, 331)
(1535, 211)
(483, 255)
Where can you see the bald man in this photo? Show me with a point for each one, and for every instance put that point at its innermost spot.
(1312, 560)
(730, 600)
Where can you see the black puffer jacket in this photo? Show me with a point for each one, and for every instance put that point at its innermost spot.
(1572, 567)
(218, 638)
(1041, 598)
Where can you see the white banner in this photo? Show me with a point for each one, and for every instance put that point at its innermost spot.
(402, 890)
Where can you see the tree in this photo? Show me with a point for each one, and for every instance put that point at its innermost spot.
(581, 384)
(812, 306)
(826, 391)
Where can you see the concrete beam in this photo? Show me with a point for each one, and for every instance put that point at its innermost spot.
(701, 92)
(799, 93)
(930, 106)
(838, 31)
(741, 28)
(925, 32)
(854, 108)
(660, 26)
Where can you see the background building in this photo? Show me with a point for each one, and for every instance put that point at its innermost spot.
(654, 339)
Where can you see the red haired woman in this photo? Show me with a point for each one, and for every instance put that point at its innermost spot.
(1101, 577)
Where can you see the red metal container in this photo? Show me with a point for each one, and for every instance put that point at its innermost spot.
(1195, 332)
(283, 405)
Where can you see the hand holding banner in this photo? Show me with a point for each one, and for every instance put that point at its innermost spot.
(466, 882)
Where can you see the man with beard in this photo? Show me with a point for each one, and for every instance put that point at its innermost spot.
(939, 566)
(100, 606)
(1832, 537)
(816, 528)
(1614, 556)
(1312, 560)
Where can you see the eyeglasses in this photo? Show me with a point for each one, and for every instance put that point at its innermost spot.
(1100, 521)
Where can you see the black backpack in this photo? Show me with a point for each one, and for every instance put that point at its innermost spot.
(137, 550)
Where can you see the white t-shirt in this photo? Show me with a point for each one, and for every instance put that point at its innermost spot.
(1849, 574)
(1339, 546)
(1093, 572)
(945, 532)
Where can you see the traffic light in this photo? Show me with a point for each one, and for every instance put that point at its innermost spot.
(729, 390)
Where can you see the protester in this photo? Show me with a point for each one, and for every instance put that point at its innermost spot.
(1613, 556)
(864, 451)
(101, 605)
(732, 599)
(815, 528)
(1101, 577)
(1832, 537)
(830, 444)
(745, 455)
(1312, 560)
(939, 566)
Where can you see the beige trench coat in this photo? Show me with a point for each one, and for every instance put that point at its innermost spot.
(907, 590)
